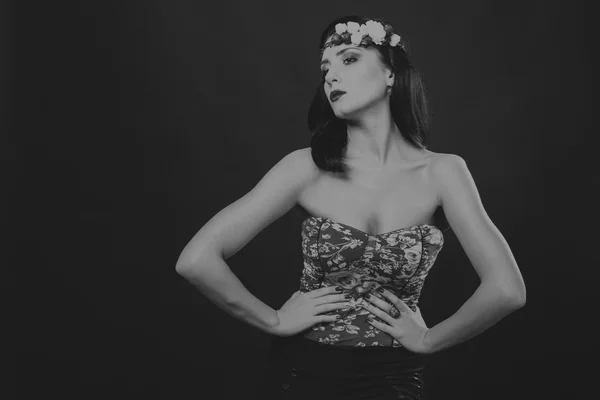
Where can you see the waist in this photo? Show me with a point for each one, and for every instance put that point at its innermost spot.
(352, 330)
(347, 361)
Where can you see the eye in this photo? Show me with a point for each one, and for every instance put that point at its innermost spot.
(324, 72)
(350, 58)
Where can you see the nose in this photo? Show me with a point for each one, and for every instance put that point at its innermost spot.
(331, 77)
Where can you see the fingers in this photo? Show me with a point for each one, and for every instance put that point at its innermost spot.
(380, 325)
(388, 309)
(382, 304)
(383, 316)
(332, 298)
(327, 318)
(400, 305)
(378, 312)
(339, 297)
(325, 291)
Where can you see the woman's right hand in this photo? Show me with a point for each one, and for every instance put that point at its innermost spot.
(301, 310)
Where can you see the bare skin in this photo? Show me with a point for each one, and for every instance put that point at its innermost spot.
(390, 184)
(372, 200)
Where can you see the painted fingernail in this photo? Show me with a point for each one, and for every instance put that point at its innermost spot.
(338, 289)
(380, 289)
(368, 296)
(347, 295)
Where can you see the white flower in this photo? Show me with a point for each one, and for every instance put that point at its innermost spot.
(372, 24)
(356, 38)
(394, 40)
(340, 28)
(353, 27)
(375, 31)
(377, 40)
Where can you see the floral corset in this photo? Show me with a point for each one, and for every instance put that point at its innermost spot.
(335, 254)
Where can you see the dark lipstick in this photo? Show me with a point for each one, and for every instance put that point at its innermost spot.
(336, 94)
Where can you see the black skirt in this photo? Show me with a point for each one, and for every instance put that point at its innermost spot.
(299, 368)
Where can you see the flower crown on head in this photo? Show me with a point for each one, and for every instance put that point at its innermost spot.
(356, 33)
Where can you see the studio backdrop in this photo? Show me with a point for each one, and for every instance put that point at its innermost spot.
(137, 121)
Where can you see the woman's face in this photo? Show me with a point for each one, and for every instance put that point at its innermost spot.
(358, 72)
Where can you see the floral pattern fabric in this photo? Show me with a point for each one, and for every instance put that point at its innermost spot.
(335, 254)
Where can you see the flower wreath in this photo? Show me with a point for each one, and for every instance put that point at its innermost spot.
(354, 33)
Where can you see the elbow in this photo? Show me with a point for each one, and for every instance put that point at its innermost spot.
(512, 296)
(516, 298)
(190, 264)
(187, 266)
(517, 301)
(522, 300)
(183, 269)
(520, 294)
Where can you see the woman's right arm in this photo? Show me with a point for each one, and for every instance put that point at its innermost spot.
(202, 261)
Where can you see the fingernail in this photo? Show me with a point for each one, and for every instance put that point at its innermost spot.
(338, 289)
(368, 296)
(380, 289)
(347, 295)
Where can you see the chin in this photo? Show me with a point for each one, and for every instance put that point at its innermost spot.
(350, 111)
(342, 114)
(346, 111)
(340, 109)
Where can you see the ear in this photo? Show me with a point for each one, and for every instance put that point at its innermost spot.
(390, 80)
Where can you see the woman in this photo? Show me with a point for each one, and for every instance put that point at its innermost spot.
(369, 188)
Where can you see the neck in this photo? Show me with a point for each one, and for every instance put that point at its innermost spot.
(375, 141)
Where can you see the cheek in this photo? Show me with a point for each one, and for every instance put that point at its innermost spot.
(368, 77)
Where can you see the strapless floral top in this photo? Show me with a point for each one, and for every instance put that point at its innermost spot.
(335, 254)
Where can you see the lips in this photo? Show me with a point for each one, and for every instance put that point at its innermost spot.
(335, 94)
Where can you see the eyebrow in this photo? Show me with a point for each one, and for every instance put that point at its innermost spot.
(326, 61)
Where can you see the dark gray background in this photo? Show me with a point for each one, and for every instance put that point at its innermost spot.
(137, 121)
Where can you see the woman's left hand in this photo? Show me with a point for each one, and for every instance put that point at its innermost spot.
(408, 327)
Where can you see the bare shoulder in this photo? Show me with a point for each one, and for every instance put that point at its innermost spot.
(294, 171)
(298, 165)
(441, 161)
(305, 163)
(448, 170)
(304, 154)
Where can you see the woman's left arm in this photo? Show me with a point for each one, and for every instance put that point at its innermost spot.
(502, 289)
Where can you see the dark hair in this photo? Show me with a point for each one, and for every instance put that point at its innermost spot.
(408, 104)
